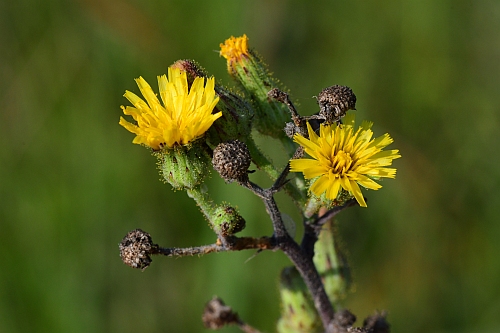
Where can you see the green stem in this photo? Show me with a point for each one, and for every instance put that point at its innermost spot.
(203, 201)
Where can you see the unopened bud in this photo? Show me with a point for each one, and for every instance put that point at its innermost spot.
(191, 67)
(254, 79)
(227, 221)
(135, 249)
(231, 160)
(334, 102)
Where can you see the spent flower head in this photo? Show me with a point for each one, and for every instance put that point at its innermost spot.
(343, 157)
(184, 116)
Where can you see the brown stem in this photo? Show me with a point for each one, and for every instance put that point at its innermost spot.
(301, 259)
(232, 244)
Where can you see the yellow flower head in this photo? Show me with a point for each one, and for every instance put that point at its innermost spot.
(342, 157)
(234, 49)
(186, 114)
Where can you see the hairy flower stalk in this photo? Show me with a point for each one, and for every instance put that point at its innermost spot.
(343, 158)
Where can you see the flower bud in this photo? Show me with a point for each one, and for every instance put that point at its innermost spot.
(227, 221)
(231, 160)
(192, 68)
(184, 166)
(252, 76)
(334, 102)
(298, 313)
(135, 249)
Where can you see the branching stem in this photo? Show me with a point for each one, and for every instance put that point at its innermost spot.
(301, 259)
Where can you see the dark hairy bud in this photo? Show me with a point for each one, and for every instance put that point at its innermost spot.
(334, 102)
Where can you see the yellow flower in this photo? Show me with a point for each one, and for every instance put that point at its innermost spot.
(186, 114)
(234, 49)
(342, 157)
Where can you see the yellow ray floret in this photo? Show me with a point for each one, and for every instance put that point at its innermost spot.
(342, 157)
(234, 49)
(184, 116)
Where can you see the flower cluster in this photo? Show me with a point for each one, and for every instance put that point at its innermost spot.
(196, 125)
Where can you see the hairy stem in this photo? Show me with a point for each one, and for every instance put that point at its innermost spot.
(203, 201)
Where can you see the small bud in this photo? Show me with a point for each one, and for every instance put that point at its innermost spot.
(192, 68)
(184, 166)
(216, 314)
(135, 249)
(227, 221)
(232, 160)
(334, 102)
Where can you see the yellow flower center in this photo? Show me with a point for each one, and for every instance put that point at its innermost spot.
(341, 163)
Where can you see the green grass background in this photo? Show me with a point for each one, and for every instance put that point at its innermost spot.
(72, 184)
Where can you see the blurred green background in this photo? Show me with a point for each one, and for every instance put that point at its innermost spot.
(426, 249)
